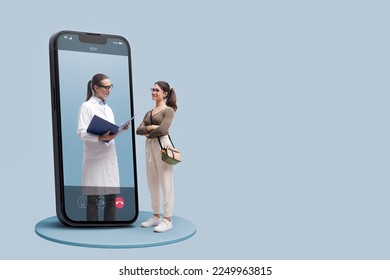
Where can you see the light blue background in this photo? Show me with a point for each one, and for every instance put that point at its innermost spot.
(283, 121)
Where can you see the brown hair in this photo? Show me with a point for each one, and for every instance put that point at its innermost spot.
(93, 82)
(171, 97)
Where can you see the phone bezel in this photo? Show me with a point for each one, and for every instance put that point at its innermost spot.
(57, 132)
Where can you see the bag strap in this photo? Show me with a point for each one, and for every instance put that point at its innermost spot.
(169, 140)
(151, 121)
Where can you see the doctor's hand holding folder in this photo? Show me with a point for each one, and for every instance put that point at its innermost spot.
(105, 129)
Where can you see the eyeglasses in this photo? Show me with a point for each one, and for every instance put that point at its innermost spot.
(110, 87)
(155, 90)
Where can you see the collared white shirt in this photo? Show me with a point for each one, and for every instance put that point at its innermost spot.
(94, 106)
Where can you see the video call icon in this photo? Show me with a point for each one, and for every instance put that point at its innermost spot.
(82, 202)
(119, 202)
(101, 202)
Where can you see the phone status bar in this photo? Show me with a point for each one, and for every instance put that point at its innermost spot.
(72, 42)
(68, 37)
(71, 37)
(118, 43)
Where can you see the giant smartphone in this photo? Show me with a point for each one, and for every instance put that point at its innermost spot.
(95, 181)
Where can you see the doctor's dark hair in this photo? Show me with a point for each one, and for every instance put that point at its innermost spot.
(93, 82)
(171, 97)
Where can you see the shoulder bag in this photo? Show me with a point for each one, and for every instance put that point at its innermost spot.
(169, 154)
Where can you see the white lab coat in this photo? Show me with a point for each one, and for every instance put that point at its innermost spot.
(100, 172)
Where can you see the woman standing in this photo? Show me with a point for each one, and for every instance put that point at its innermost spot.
(155, 126)
(100, 172)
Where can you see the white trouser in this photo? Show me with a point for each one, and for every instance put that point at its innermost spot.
(159, 174)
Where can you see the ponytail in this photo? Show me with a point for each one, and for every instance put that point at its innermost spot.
(89, 90)
(171, 97)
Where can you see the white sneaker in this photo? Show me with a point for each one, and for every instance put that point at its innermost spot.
(153, 221)
(164, 225)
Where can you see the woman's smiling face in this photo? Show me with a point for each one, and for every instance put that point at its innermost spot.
(157, 93)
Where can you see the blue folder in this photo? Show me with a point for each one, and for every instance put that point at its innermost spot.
(99, 126)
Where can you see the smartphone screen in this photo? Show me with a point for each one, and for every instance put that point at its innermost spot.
(96, 181)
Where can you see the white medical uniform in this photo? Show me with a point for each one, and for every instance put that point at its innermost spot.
(100, 172)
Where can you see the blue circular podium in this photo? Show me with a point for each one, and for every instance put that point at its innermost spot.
(133, 236)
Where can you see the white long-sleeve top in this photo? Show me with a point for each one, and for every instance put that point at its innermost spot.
(100, 164)
(93, 148)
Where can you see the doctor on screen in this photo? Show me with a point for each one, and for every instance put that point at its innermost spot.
(100, 172)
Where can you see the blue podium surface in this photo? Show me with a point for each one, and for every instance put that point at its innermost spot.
(133, 236)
